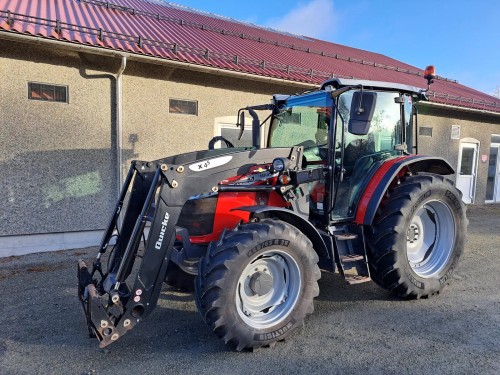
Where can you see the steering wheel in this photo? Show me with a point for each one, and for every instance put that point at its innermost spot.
(218, 138)
(312, 152)
(307, 144)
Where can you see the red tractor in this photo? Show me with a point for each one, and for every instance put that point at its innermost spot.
(338, 187)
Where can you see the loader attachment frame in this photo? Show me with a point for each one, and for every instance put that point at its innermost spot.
(115, 299)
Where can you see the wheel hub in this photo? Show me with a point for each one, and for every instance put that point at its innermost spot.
(261, 283)
(268, 289)
(413, 233)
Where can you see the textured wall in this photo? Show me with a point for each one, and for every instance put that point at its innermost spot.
(151, 132)
(57, 160)
(472, 125)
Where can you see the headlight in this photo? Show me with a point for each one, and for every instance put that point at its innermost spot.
(280, 164)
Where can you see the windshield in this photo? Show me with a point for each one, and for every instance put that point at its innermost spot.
(303, 121)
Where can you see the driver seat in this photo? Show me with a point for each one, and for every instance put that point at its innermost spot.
(354, 151)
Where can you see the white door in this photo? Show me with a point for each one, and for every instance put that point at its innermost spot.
(226, 126)
(467, 166)
(493, 183)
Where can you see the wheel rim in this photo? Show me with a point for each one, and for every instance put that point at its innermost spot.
(268, 289)
(190, 266)
(430, 238)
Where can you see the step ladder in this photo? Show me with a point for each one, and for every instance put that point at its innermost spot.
(350, 256)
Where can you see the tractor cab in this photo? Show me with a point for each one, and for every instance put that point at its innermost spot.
(349, 128)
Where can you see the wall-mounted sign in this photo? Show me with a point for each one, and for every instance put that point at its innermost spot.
(484, 158)
(455, 132)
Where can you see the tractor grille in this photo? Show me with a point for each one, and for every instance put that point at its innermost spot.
(197, 216)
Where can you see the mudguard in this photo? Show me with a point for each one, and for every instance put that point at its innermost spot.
(387, 172)
(294, 219)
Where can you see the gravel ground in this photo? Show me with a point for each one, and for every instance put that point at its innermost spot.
(354, 329)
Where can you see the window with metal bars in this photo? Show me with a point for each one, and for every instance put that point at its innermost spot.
(425, 131)
(47, 92)
(185, 107)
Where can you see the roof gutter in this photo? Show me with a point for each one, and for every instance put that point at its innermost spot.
(37, 40)
(458, 108)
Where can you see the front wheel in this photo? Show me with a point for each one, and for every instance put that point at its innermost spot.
(257, 283)
(418, 236)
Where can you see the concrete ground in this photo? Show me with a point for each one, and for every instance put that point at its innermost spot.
(354, 329)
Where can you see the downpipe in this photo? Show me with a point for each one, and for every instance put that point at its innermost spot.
(119, 119)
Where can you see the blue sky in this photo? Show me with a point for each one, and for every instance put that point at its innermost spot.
(461, 38)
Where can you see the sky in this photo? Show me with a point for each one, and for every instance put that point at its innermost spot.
(461, 38)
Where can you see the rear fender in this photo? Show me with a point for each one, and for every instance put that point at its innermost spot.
(387, 172)
(294, 219)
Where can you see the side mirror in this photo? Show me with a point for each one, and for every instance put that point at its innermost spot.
(362, 108)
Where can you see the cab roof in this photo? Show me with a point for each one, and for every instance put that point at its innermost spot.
(337, 83)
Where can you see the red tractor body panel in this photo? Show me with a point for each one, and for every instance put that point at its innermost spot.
(387, 173)
(224, 215)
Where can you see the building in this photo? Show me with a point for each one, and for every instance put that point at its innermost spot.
(86, 86)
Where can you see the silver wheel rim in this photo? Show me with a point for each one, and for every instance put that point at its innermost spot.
(276, 303)
(189, 266)
(430, 238)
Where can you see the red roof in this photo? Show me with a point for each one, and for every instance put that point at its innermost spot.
(168, 31)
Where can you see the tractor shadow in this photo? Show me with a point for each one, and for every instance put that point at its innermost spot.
(334, 288)
(169, 293)
(176, 326)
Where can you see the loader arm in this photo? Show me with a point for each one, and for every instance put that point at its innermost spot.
(116, 299)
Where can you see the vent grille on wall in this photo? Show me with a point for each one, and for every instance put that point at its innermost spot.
(185, 107)
(425, 131)
(47, 92)
(455, 132)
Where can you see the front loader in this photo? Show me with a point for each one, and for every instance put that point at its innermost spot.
(339, 186)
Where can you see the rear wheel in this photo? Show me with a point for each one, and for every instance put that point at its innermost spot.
(418, 236)
(257, 283)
